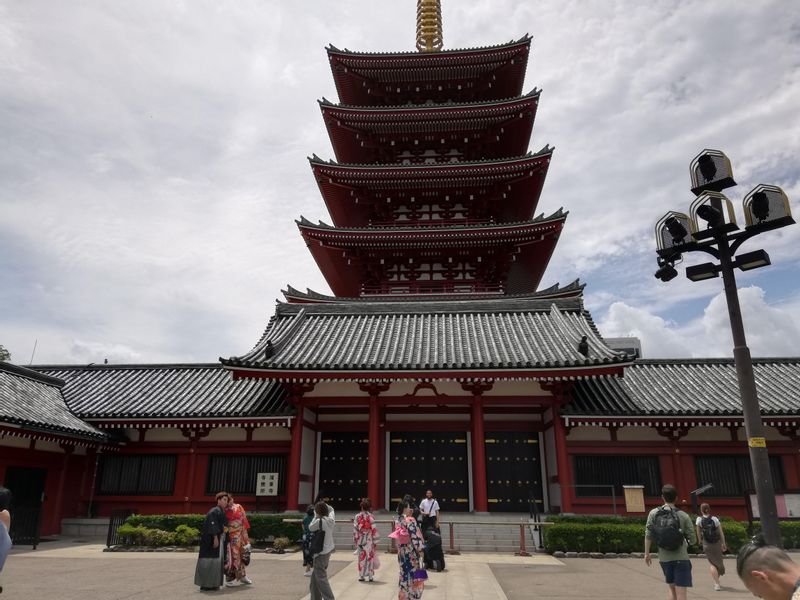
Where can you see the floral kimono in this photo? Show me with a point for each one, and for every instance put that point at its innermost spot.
(237, 540)
(365, 535)
(410, 559)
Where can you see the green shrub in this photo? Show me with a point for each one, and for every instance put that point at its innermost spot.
(262, 527)
(281, 543)
(132, 534)
(186, 536)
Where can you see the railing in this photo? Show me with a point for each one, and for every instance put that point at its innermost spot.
(118, 517)
(534, 525)
(590, 485)
(412, 288)
(25, 526)
(431, 223)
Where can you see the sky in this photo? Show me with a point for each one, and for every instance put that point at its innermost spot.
(153, 159)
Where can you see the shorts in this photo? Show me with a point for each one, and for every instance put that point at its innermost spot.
(678, 572)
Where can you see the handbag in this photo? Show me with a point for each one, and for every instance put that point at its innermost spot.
(419, 574)
(317, 542)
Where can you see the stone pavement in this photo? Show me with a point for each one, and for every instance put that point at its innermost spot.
(68, 570)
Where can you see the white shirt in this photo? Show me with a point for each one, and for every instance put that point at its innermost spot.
(429, 506)
(327, 525)
(699, 522)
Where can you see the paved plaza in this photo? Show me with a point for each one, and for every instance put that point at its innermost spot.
(67, 570)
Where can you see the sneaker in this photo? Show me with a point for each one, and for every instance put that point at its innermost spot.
(307, 574)
(361, 579)
(231, 583)
(371, 579)
(246, 580)
(717, 587)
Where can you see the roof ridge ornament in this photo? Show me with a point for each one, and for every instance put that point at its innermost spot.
(429, 25)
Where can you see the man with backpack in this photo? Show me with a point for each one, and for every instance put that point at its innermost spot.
(671, 530)
(710, 533)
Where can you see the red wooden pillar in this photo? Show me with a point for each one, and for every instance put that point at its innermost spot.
(479, 492)
(293, 468)
(62, 480)
(193, 436)
(565, 479)
(375, 476)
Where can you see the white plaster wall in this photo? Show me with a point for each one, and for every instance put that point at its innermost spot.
(272, 434)
(131, 434)
(639, 434)
(171, 434)
(446, 388)
(334, 389)
(308, 452)
(517, 388)
(309, 415)
(46, 446)
(589, 434)
(14, 442)
(553, 491)
(707, 434)
(226, 434)
(81, 451)
(305, 494)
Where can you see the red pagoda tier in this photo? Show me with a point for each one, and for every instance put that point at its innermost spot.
(439, 194)
(407, 260)
(468, 75)
(430, 133)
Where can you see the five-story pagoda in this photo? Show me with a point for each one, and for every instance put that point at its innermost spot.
(435, 343)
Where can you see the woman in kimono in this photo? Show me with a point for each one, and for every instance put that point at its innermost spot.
(365, 535)
(209, 572)
(238, 544)
(409, 552)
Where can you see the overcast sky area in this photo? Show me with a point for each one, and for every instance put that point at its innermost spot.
(153, 161)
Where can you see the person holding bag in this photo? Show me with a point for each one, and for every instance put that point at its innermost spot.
(322, 545)
(410, 546)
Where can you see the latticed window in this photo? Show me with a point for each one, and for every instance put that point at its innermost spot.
(732, 476)
(617, 471)
(136, 474)
(236, 473)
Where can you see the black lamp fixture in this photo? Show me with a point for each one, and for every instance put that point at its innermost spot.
(766, 207)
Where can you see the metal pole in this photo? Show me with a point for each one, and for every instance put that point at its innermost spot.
(759, 458)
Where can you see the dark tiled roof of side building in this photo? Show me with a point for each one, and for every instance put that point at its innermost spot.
(689, 387)
(34, 401)
(166, 391)
(508, 333)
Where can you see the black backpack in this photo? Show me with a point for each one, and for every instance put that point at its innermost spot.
(709, 530)
(667, 529)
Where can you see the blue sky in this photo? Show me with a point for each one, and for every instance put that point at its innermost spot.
(154, 161)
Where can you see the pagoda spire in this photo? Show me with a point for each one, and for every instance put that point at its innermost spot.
(429, 25)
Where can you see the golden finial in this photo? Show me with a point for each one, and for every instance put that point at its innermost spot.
(429, 25)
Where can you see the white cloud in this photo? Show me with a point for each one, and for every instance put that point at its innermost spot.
(98, 352)
(770, 330)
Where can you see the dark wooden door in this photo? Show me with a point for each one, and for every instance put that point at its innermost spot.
(27, 489)
(430, 460)
(343, 469)
(513, 471)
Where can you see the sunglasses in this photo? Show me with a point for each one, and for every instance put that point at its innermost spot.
(746, 551)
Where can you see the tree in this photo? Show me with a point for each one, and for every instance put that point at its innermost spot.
(5, 355)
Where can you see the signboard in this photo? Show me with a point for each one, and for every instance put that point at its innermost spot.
(267, 484)
(634, 498)
(788, 505)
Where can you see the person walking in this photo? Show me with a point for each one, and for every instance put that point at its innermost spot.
(671, 529)
(410, 547)
(365, 536)
(238, 544)
(324, 520)
(5, 529)
(209, 573)
(308, 558)
(429, 509)
(709, 532)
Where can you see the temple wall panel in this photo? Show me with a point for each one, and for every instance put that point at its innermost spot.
(525, 389)
(343, 417)
(309, 453)
(707, 434)
(48, 446)
(638, 434)
(226, 434)
(335, 389)
(165, 434)
(443, 388)
(589, 434)
(14, 442)
(272, 434)
(309, 415)
(513, 417)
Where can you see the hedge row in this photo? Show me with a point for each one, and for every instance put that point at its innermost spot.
(611, 519)
(137, 535)
(262, 527)
(619, 537)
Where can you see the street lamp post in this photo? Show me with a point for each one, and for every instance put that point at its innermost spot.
(766, 207)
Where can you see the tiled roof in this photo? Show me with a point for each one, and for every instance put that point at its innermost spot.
(509, 334)
(570, 290)
(688, 387)
(34, 401)
(404, 108)
(442, 54)
(166, 391)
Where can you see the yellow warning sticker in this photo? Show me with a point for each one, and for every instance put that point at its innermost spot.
(757, 442)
